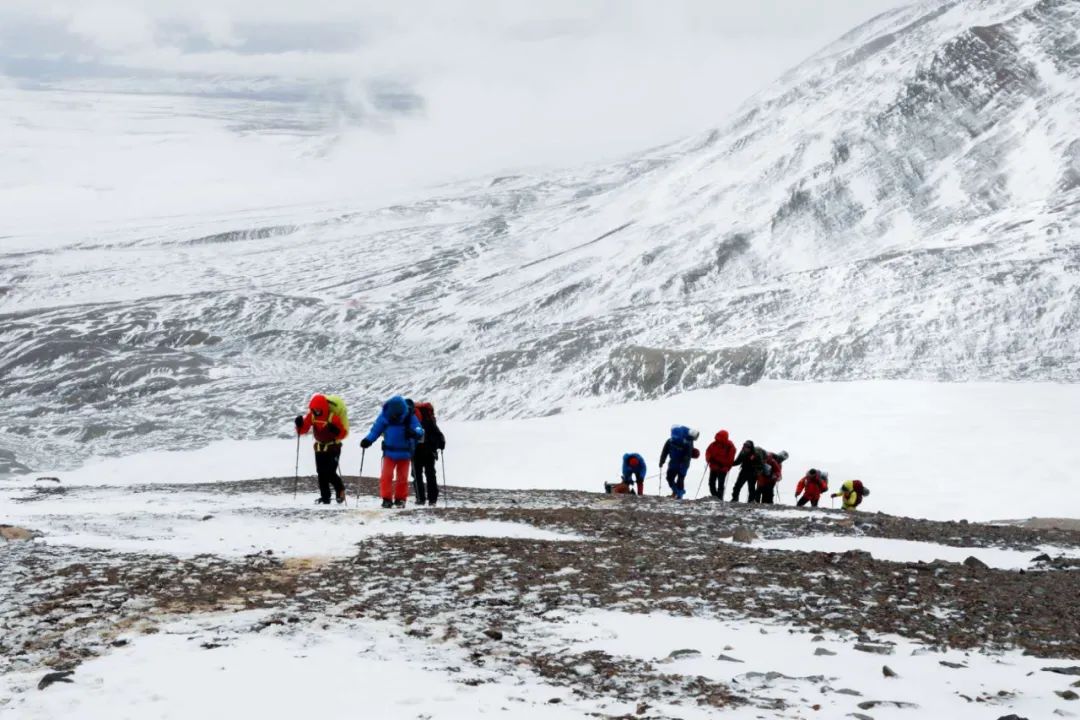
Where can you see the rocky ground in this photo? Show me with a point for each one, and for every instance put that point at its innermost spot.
(490, 597)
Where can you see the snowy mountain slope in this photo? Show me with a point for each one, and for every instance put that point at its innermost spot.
(539, 604)
(906, 204)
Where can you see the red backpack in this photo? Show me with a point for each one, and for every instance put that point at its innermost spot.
(425, 411)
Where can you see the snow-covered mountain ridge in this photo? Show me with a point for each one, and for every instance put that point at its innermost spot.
(906, 204)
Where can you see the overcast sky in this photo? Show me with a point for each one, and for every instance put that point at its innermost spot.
(434, 89)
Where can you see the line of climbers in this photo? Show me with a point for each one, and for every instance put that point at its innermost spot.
(411, 436)
(759, 470)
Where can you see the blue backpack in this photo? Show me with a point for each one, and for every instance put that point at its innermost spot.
(681, 445)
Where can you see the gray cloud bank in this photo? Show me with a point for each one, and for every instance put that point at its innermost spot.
(424, 91)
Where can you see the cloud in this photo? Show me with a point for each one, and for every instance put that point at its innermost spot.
(370, 94)
(111, 26)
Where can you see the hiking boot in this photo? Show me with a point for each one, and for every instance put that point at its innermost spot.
(387, 503)
(322, 501)
(399, 503)
(431, 503)
(340, 497)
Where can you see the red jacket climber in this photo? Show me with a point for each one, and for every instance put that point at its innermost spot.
(811, 487)
(721, 452)
(327, 420)
(771, 473)
(720, 455)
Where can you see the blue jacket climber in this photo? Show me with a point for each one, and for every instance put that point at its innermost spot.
(680, 449)
(399, 427)
(635, 468)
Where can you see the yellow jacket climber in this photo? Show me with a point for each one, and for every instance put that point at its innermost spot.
(852, 493)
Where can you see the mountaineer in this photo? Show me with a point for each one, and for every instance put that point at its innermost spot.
(680, 449)
(720, 455)
(328, 421)
(400, 430)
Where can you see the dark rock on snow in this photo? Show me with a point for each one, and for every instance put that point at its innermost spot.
(871, 704)
(1071, 670)
(875, 649)
(55, 677)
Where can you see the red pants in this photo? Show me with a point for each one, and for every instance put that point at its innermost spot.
(394, 480)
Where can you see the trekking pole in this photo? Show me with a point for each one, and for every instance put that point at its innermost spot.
(296, 476)
(442, 461)
(363, 452)
(702, 480)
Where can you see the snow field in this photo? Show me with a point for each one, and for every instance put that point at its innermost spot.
(352, 668)
(347, 669)
(938, 691)
(929, 450)
(192, 524)
(910, 551)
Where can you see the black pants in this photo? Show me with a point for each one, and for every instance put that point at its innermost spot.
(717, 478)
(425, 466)
(765, 494)
(676, 480)
(804, 499)
(326, 465)
(751, 486)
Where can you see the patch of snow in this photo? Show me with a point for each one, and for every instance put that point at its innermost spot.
(351, 669)
(930, 450)
(909, 551)
(235, 525)
(806, 679)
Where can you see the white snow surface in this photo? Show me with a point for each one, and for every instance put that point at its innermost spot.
(789, 650)
(231, 525)
(980, 451)
(375, 669)
(906, 551)
(348, 670)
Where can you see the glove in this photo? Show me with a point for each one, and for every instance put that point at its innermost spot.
(333, 429)
(365, 443)
(298, 421)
